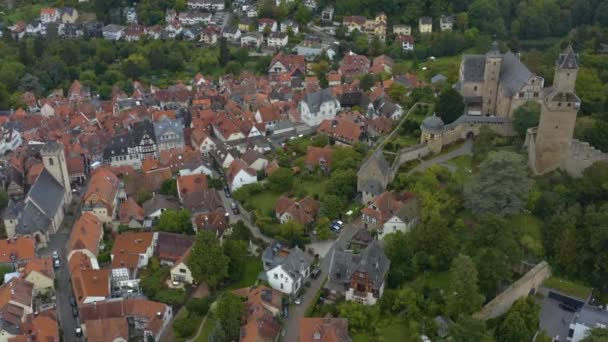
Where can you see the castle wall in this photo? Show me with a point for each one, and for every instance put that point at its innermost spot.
(471, 89)
(521, 288)
(581, 156)
(554, 135)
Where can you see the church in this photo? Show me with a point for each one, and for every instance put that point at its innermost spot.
(42, 211)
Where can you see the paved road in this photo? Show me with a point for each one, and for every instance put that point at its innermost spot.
(465, 149)
(63, 289)
(291, 330)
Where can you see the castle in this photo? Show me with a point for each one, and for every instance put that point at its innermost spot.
(494, 85)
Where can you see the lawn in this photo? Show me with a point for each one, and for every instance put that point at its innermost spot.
(463, 166)
(311, 187)
(393, 332)
(207, 328)
(568, 287)
(253, 267)
(439, 280)
(264, 202)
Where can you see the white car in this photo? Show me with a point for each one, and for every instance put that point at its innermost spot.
(297, 301)
(55, 255)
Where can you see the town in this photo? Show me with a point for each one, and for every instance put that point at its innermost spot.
(288, 171)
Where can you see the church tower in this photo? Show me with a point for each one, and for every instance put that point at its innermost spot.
(53, 158)
(491, 77)
(558, 116)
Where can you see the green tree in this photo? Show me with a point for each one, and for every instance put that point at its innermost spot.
(4, 269)
(237, 253)
(493, 269)
(332, 206)
(520, 322)
(135, 66)
(597, 135)
(344, 158)
(343, 183)
(468, 329)
(224, 56)
(302, 15)
(360, 318)
(143, 196)
(3, 199)
(230, 310)
(601, 14)
(4, 98)
(292, 232)
(281, 180)
(526, 116)
(367, 82)
(322, 228)
(398, 248)
(207, 260)
(175, 221)
(501, 187)
(464, 297)
(450, 105)
(169, 187)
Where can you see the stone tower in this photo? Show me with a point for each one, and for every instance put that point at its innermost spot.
(491, 77)
(53, 158)
(558, 116)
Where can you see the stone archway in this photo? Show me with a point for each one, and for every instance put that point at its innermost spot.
(470, 135)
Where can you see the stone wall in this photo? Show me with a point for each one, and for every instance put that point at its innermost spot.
(581, 156)
(521, 288)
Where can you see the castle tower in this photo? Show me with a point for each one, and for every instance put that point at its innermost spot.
(491, 77)
(558, 116)
(53, 158)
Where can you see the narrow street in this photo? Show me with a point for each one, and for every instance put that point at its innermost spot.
(243, 217)
(291, 329)
(465, 149)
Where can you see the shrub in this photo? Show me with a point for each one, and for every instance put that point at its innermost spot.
(199, 306)
(185, 326)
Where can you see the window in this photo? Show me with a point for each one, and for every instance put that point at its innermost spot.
(521, 94)
(182, 270)
(51, 161)
(281, 286)
(276, 276)
(475, 88)
(535, 94)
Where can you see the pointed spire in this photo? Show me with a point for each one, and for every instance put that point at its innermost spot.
(568, 59)
(494, 49)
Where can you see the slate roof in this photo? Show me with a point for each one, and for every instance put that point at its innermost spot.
(160, 202)
(568, 59)
(296, 262)
(474, 67)
(372, 261)
(175, 126)
(513, 73)
(138, 130)
(316, 99)
(117, 146)
(47, 194)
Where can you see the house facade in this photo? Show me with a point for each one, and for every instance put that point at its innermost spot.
(318, 106)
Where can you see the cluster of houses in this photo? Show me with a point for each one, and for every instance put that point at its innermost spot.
(107, 152)
(207, 21)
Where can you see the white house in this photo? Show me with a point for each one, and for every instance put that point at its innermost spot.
(10, 139)
(239, 174)
(446, 23)
(251, 40)
(288, 24)
(49, 15)
(277, 39)
(286, 273)
(181, 274)
(402, 29)
(389, 213)
(265, 22)
(232, 33)
(318, 106)
(425, 25)
(113, 32)
(200, 140)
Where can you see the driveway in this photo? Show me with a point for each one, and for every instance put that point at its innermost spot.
(554, 320)
(291, 330)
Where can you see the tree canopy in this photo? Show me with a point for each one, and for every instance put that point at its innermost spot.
(501, 186)
(526, 116)
(464, 297)
(450, 105)
(207, 260)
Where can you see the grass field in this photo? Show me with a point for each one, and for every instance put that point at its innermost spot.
(264, 202)
(393, 332)
(253, 267)
(568, 287)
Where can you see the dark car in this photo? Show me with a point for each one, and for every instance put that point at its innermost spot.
(315, 273)
(75, 312)
(567, 307)
(72, 301)
(227, 191)
(235, 208)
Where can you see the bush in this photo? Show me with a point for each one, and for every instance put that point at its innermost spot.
(171, 297)
(199, 306)
(185, 326)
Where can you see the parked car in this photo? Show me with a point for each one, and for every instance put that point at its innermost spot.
(297, 301)
(75, 312)
(55, 255)
(72, 301)
(567, 307)
(78, 332)
(315, 273)
(235, 208)
(56, 263)
(338, 223)
(335, 228)
(227, 191)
